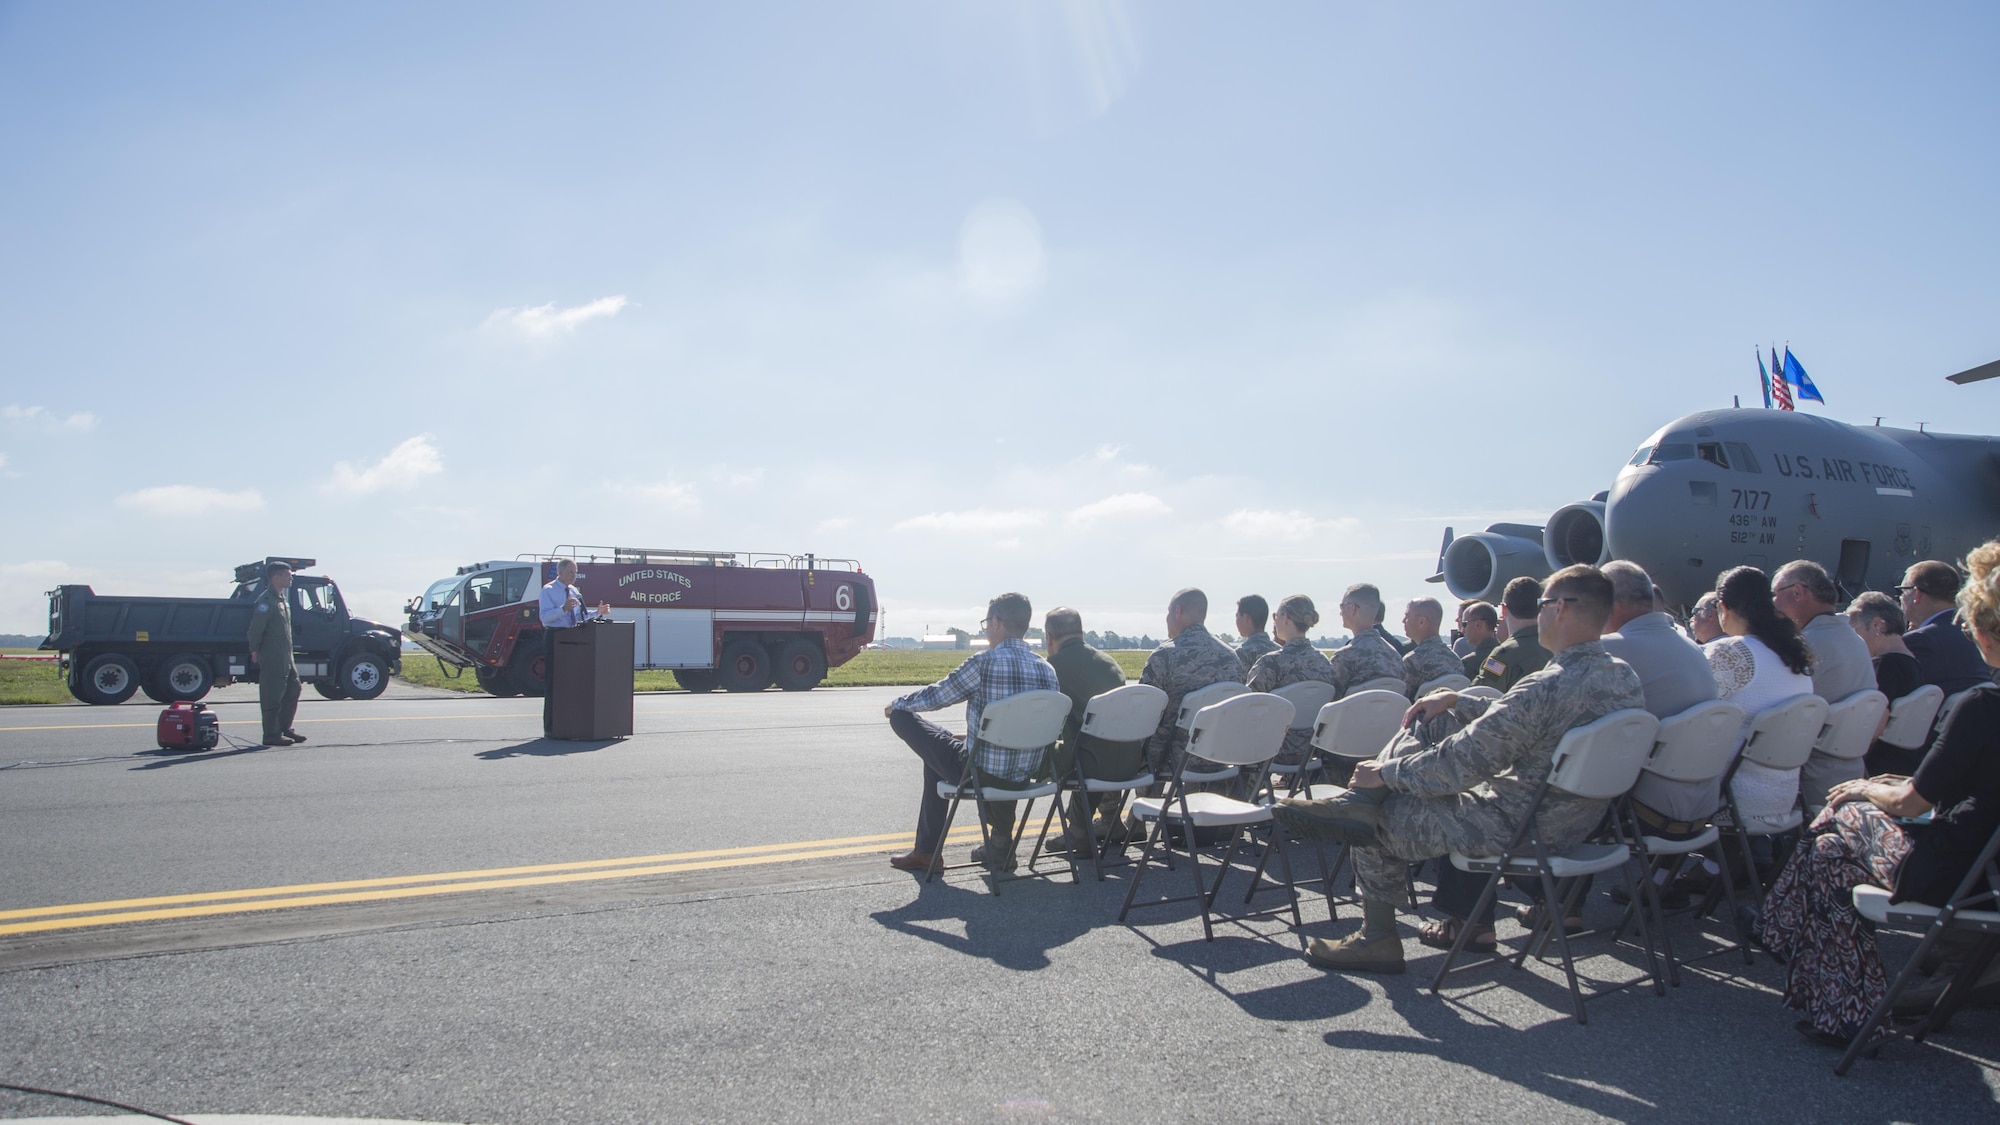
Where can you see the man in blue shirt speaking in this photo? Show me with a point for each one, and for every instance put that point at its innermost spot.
(562, 608)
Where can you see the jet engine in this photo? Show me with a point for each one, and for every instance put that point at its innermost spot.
(1479, 566)
(1575, 534)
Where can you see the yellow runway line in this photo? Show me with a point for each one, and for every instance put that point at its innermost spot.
(79, 915)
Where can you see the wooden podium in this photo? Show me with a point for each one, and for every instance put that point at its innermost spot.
(593, 681)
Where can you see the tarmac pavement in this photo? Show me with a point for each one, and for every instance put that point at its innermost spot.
(427, 913)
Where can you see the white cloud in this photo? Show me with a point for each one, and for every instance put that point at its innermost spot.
(190, 500)
(1288, 526)
(1122, 505)
(401, 468)
(544, 322)
(977, 521)
(736, 478)
(673, 495)
(836, 523)
(80, 422)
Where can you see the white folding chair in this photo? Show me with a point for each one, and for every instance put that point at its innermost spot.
(1123, 714)
(1974, 907)
(1457, 681)
(1246, 730)
(1191, 705)
(1910, 718)
(1482, 691)
(1691, 747)
(1029, 720)
(1353, 728)
(1599, 760)
(1781, 738)
(1949, 708)
(1383, 683)
(1843, 741)
(1306, 698)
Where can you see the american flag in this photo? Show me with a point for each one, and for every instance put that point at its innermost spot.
(1780, 389)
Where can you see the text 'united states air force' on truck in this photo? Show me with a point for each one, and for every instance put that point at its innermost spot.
(178, 648)
(738, 620)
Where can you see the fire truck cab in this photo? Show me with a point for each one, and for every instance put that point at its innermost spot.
(738, 620)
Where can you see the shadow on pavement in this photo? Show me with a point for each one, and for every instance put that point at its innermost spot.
(546, 748)
(1015, 929)
(165, 758)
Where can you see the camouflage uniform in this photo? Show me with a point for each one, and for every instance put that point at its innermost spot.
(1369, 656)
(1195, 659)
(1469, 791)
(1426, 661)
(1254, 647)
(1295, 663)
(1512, 659)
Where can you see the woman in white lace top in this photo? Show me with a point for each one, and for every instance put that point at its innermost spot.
(1760, 662)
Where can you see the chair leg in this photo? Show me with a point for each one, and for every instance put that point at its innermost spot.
(1043, 838)
(1652, 892)
(1554, 921)
(1729, 891)
(1880, 1016)
(937, 854)
(1486, 894)
(1139, 870)
(1291, 881)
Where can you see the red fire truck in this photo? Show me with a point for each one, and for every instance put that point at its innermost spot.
(738, 620)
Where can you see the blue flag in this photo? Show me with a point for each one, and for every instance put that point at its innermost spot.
(1796, 376)
(1764, 379)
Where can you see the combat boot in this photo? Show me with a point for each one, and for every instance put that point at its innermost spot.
(1358, 953)
(1350, 817)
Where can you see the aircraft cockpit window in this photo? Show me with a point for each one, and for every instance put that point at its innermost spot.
(1711, 452)
(1742, 458)
(1641, 457)
(1672, 451)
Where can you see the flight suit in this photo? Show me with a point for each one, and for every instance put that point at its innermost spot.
(1512, 659)
(277, 680)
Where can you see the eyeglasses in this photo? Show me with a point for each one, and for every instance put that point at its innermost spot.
(1905, 589)
(1776, 590)
(1547, 602)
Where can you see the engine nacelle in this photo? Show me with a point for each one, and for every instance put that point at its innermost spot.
(1575, 534)
(1479, 566)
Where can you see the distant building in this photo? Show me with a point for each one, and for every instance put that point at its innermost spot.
(944, 641)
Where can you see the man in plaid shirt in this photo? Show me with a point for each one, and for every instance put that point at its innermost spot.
(1007, 667)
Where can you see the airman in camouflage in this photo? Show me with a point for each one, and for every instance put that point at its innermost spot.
(1429, 657)
(1191, 658)
(1255, 647)
(1297, 662)
(1368, 655)
(1471, 790)
(1252, 614)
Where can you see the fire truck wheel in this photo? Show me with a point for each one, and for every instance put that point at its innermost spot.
(525, 673)
(111, 678)
(183, 676)
(746, 666)
(328, 689)
(363, 676)
(495, 681)
(800, 666)
(695, 679)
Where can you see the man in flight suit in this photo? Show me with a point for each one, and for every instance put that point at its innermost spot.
(271, 651)
(1522, 651)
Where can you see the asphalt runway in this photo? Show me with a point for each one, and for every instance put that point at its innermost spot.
(427, 913)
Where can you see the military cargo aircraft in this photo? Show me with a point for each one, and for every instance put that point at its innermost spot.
(1724, 488)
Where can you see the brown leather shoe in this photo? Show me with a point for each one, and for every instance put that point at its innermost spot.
(911, 861)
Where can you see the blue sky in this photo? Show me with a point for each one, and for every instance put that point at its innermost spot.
(1092, 300)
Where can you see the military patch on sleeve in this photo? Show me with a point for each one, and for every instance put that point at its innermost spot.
(1494, 666)
(263, 608)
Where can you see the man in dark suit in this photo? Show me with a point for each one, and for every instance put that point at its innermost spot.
(1946, 655)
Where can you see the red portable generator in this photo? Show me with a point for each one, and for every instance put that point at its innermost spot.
(189, 726)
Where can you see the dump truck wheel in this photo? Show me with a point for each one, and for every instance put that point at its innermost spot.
(109, 679)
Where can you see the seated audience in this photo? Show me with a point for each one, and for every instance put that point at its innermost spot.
(1007, 667)
(1833, 970)
(1702, 625)
(1082, 672)
(1805, 594)
(1481, 623)
(1429, 657)
(1296, 662)
(1947, 656)
(1252, 611)
(1760, 663)
(1191, 658)
(1522, 651)
(1368, 653)
(1674, 675)
(1470, 790)
(1879, 621)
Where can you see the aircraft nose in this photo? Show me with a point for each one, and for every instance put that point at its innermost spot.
(1661, 518)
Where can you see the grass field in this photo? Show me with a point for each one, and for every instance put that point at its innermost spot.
(875, 668)
(30, 681)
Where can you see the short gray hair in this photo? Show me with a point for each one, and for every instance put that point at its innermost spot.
(1630, 584)
(1877, 606)
(1429, 609)
(1818, 584)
